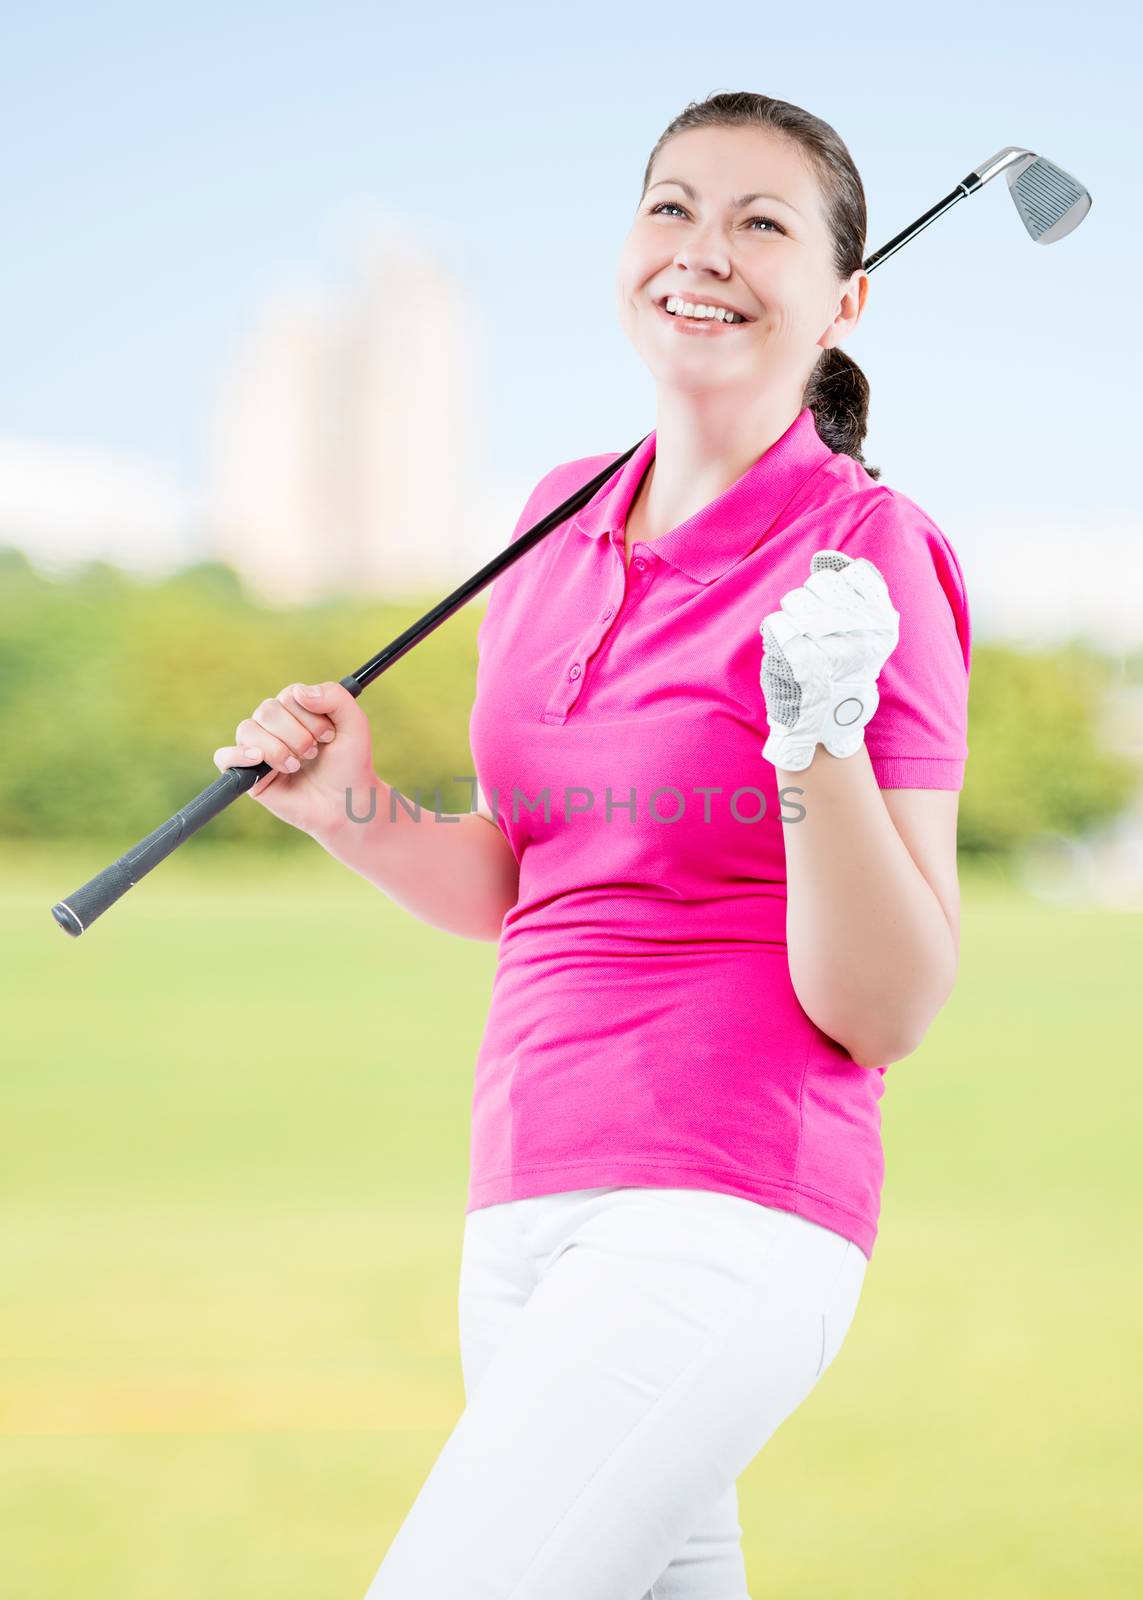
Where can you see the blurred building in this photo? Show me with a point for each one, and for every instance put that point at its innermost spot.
(343, 450)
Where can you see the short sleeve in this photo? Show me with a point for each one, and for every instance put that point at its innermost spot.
(918, 736)
(553, 488)
(528, 518)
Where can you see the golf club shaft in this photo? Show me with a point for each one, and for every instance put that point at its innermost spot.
(914, 228)
(80, 909)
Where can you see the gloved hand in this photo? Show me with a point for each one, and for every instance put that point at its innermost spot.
(824, 650)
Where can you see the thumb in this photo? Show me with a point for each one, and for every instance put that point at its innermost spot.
(331, 699)
(829, 561)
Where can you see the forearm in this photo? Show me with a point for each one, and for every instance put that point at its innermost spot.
(872, 956)
(453, 871)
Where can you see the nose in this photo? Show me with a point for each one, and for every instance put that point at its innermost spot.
(704, 251)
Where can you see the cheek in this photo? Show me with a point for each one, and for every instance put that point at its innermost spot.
(630, 282)
(810, 300)
(639, 259)
(791, 304)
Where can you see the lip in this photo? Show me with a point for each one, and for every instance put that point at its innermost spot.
(707, 328)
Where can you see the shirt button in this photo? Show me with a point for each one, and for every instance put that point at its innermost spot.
(575, 671)
(640, 563)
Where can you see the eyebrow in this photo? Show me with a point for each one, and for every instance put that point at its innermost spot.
(739, 200)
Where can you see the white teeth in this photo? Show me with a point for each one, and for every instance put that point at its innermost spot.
(687, 308)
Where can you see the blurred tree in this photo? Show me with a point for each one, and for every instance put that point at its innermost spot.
(114, 694)
(1036, 763)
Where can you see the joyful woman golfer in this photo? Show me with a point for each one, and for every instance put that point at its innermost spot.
(676, 1158)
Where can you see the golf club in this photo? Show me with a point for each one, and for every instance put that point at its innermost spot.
(1050, 202)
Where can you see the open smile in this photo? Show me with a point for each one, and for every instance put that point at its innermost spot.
(699, 327)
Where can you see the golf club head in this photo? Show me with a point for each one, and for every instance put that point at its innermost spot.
(1050, 201)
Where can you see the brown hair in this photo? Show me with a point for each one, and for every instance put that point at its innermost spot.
(837, 391)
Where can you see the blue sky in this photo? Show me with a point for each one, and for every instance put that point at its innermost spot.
(166, 168)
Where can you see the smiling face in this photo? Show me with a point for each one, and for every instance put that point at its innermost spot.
(769, 257)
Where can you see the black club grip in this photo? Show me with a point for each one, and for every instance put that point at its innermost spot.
(80, 909)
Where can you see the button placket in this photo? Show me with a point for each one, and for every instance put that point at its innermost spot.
(611, 609)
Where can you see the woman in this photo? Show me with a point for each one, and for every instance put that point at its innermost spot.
(709, 948)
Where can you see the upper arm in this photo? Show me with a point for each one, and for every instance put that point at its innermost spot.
(483, 807)
(926, 820)
(918, 738)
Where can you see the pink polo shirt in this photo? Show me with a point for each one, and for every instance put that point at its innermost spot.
(643, 1028)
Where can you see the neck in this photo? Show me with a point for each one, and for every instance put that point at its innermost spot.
(700, 450)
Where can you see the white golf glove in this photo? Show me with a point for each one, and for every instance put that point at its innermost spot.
(824, 650)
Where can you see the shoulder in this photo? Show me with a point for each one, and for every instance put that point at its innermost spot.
(903, 541)
(558, 484)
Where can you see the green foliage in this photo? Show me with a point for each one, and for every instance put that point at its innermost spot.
(1036, 763)
(114, 694)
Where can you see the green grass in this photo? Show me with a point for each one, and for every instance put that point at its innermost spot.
(234, 1159)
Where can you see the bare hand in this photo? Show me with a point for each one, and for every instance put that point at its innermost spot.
(319, 745)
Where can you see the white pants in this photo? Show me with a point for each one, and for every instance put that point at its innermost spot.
(627, 1352)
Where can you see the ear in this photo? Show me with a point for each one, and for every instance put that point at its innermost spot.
(851, 304)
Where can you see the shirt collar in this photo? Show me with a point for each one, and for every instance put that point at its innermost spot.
(722, 533)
